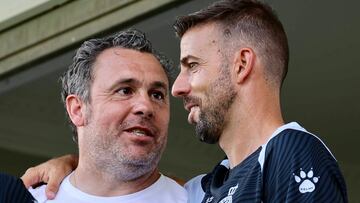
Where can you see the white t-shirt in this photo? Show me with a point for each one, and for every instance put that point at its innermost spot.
(164, 190)
(194, 189)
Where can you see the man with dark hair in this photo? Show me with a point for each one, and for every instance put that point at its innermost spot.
(116, 95)
(234, 58)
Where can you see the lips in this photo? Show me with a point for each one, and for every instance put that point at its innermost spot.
(189, 106)
(140, 131)
(190, 102)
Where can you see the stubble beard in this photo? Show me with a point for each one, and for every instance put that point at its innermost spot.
(115, 159)
(212, 118)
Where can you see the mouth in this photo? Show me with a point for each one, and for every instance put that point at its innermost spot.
(191, 102)
(194, 112)
(140, 131)
(188, 107)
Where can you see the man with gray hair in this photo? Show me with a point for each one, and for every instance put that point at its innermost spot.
(116, 95)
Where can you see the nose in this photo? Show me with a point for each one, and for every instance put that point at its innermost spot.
(181, 86)
(143, 107)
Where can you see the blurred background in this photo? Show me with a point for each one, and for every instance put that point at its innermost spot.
(38, 39)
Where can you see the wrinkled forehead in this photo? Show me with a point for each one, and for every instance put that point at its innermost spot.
(117, 63)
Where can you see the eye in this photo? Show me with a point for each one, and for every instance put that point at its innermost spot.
(193, 65)
(124, 91)
(158, 95)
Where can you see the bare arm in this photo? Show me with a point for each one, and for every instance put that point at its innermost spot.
(51, 172)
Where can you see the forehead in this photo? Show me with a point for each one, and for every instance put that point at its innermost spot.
(115, 63)
(200, 40)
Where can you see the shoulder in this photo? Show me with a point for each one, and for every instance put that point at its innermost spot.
(298, 148)
(294, 136)
(299, 142)
(39, 193)
(194, 189)
(171, 190)
(299, 162)
(64, 193)
(171, 183)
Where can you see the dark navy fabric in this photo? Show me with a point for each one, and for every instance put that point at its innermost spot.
(12, 190)
(297, 168)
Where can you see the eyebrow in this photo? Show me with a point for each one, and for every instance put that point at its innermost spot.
(159, 84)
(124, 81)
(136, 82)
(185, 60)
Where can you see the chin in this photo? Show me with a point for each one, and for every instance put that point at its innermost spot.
(206, 135)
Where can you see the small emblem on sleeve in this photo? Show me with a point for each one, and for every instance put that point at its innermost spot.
(307, 181)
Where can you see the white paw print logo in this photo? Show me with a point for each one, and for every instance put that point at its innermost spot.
(307, 181)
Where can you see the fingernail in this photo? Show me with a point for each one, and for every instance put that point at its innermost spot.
(51, 195)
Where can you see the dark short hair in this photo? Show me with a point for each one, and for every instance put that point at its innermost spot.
(250, 22)
(77, 79)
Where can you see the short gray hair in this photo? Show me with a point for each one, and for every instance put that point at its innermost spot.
(77, 79)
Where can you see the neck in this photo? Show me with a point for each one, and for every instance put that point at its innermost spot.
(249, 127)
(95, 182)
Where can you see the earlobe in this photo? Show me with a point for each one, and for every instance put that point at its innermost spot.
(75, 107)
(243, 64)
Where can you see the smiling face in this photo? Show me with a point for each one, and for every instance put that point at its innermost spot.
(204, 82)
(126, 121)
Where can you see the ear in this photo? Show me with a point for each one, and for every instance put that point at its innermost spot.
(75, 108)
(244, 60)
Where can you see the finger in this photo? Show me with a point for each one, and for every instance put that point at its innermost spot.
(30, 177)
(52, 186)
